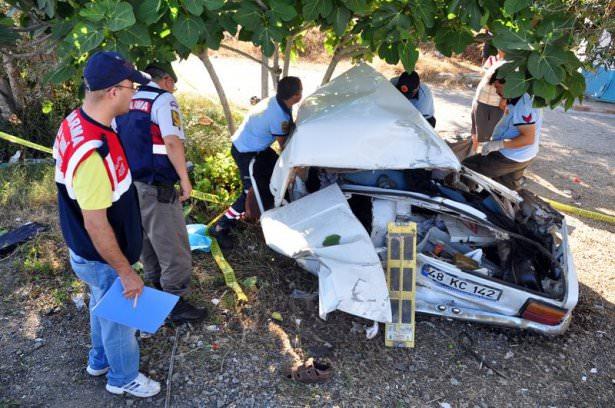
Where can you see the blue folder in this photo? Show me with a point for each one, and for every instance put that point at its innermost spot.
(153, 306)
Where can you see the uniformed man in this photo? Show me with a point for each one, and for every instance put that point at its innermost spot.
(514, 143)
(153, 137)
(417, 93)
(270, 120)
(99, 215)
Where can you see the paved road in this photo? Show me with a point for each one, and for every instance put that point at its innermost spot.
(575, 145)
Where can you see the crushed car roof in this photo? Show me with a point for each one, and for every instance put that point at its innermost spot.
(360, 121)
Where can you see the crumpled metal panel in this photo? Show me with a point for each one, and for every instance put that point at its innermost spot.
(360, 121)
(350, 275)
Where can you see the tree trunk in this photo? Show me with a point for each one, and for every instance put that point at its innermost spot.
(275, 71)
(204, 57)
(287, 51)
(7, 104)
(12, 74)
(329, 73)
(264, 76)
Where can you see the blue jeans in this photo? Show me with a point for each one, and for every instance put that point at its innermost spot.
(113, 345)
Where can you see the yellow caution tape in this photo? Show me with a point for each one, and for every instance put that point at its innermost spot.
(199, 195)
(17, 140)
(580, 212)
(227, 271)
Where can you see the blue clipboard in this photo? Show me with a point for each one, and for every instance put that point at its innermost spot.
(153, 306)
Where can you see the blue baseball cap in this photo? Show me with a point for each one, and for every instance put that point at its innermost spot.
(108, 68)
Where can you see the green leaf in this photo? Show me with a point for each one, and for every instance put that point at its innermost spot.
(194, 7)
(94, 11)
(314, 8)
(213, 4)
(511, 40)
(543, 89)
(516, 85)
(7, 36)
(277, 316)
(514, 6)
(121, 17)
(451, 40)
(85, 37)
(47, 107)
(282, 10)
(473, 14)
(62, 73)
(389, 52)
(227, 23)
(187, 29)
(357, 6)
(576, 84)
(135, 35)
(331, 240)
(426, 10)
(47, 6)
(249, 16)
(213, 35)
(408, 54)
(341, 17)
(545, 66)
(265, 37)
(148, 11)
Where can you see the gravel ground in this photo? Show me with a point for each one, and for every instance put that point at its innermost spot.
(241, 363)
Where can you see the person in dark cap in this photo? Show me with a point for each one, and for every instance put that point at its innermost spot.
(99, 214)
(419, 94)
(153, 135)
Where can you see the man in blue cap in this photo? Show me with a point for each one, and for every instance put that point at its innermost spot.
(99, 214)
(153, 137)
(514, 143)
(419, 94)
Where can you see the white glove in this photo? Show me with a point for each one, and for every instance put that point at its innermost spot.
(491, 146)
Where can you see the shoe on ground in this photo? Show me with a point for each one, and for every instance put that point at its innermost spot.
(223, 236)
(142, 387)
(97, 373)
(186, 312)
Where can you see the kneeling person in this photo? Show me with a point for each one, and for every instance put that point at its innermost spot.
(514, 143)
(270, 120)
(153, 138)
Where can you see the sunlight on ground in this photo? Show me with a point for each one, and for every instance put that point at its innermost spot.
(546, 184)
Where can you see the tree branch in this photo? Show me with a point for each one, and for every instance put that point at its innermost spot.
(244, 54)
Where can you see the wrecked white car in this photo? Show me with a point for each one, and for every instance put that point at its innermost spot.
(361, 157)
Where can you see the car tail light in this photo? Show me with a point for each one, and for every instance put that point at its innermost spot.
(544, 313)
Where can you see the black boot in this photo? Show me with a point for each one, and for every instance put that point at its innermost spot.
(185, 312)
(222, 235)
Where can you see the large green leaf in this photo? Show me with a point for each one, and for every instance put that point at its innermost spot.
(547, 66)
(213, 35)
(7, 36)
(136, 34)
(389, 52)
(283, 10)
(94, 11)
(473, 14)
(148, 11)
(121, 17)
(511, 40)
(357, 6)
(249, 16)
(194, 7)
(449, 40)
(85, 37)
(187, 29)
(514, 6)
(426, 10)
(408, 54)
(213, 4)
(516, 85)
(576, 84)
(62, 73)
(314, 8)
(227, 23)
(47, 6)
(265, 37)
(543, 89)
(340, 18)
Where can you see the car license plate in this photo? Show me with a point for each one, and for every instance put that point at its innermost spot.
(450, 281)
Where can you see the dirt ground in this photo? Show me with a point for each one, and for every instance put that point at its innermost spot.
(240, 362)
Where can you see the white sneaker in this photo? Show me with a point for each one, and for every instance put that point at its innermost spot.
(97, 373)
(141, 386)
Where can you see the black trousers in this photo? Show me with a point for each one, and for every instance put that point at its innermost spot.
(498, 167)
(262, 171)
